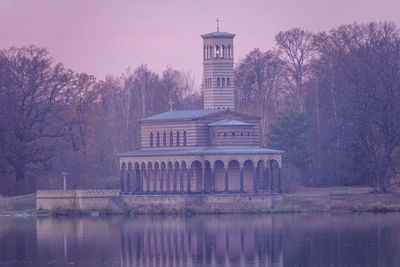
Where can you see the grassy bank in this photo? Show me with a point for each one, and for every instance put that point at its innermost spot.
(18, 204)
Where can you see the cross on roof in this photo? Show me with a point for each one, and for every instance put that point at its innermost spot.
(217, 24)
(171, 103)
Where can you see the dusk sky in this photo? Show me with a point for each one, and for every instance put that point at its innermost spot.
(106, 37)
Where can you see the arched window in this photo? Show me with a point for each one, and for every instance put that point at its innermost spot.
(151, 139)
(248, 133)
(233, 133)
(241, 133)
(164, 139)
(177, 139)
(211, 51)
(225, 134)
(210, 82)
(223, 82)
(218, 82)
(229, 51)
(184, 138)
(158, 139)
(228, 82)
(171, 138)
(204, 53)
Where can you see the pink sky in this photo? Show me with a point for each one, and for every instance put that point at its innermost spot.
(102, 37)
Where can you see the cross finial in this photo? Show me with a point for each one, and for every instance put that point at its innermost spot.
(217, 24)
(171, 104)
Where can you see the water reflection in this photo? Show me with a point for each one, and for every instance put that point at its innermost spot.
(228, 240)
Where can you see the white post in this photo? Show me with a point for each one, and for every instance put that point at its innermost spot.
(64, 174)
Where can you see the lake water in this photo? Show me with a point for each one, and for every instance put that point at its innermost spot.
(222, 240)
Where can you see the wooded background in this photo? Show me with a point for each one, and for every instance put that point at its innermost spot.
(330, 100)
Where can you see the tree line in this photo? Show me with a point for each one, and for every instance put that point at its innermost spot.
(328, 99)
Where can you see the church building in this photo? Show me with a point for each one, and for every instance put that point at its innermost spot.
(215, 150)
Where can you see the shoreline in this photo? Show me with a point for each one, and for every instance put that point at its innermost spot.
(338, 200)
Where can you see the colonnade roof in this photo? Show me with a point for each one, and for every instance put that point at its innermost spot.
(201, 150)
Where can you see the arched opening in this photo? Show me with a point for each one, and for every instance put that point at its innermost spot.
(260, 176)
(275, 176)
(151, 139)
(248, 176)
(218, 82)
(163, 169)
(158, 139)
(129, 178)
(156, 177)
(196, 177)
(219, 176)
(178, 138)
(233, 175)
(164, 139)
(228, 82)
(169, 173)
(137, 182)
(217, 51)
(122, 177)
(176, 176)
(184, 181)
(150, 178)
(223, 82)
(143, 177)
(171, 138)
(208, 182)
(184, 138)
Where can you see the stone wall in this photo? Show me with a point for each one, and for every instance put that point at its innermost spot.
(111, 200)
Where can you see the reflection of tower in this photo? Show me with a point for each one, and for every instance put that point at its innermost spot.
(218, 72)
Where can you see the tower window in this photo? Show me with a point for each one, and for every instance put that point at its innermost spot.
(225, 134)
(217, 51)
(223, 82)
(204, 53)
(218, 82)
(228, 82)
(229, 51)
(151, 139)
(184, 138)
(164, 139)
(171, 138)
(177, 139)
(233, 133)
(158, 139)
(210, 82)
(223, 51)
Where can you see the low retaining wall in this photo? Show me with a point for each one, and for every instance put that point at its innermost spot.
(111, 200)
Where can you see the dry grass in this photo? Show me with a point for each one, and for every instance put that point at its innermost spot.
(5, 203)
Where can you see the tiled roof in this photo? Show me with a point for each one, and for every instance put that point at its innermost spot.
(218, 35)
(201, 150)
(229, 122)
(182, 114)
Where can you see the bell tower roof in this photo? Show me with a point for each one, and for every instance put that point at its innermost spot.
(218, 35)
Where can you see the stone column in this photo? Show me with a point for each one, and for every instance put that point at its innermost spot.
(271, 182)
(175, 180)
(279, 180)
(203, 179)
(212, 180)
(255, 179)
(168, 178)
(161, 179)
(181, 178)
(226, 179)
(155, 179)
(122, 180)
(147, 174)
(188, 180)
(241, 179)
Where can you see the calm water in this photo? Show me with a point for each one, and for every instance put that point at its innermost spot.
(226, 240)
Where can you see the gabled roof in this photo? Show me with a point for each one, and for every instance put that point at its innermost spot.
(229, 122)
(193, 114)
(218, 35)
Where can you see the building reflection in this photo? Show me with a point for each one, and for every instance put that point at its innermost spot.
(201, 241)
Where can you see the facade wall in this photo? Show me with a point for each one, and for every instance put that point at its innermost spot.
(238, 135)
(150, 203)
(197, 132)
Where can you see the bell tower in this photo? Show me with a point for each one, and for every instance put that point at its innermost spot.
(218, 73)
